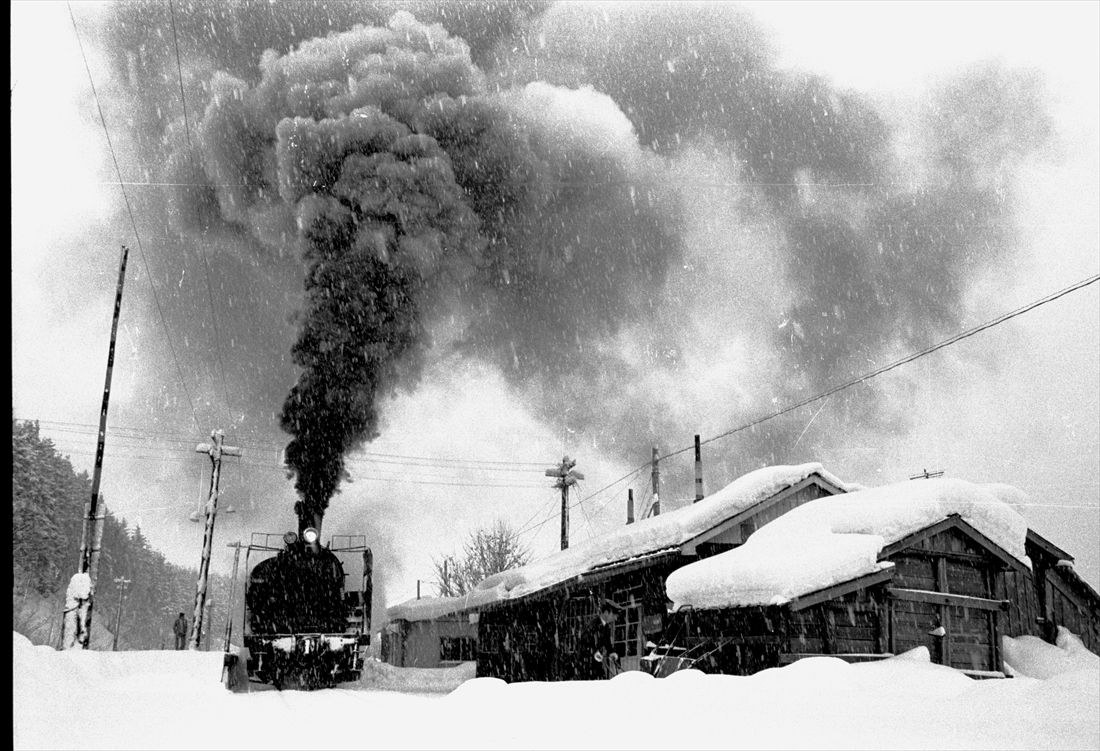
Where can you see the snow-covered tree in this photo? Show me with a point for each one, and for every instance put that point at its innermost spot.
(487, 551)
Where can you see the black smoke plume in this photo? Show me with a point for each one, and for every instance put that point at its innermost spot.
(418, 193)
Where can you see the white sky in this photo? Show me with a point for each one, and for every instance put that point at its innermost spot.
(1032, 423)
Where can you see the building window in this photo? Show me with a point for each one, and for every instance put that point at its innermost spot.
(625, 639)
(457, 649)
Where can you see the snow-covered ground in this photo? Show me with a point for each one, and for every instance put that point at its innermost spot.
(173, 700)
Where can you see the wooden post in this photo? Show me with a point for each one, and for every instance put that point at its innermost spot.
(630, 506)
(121, 582)
(945, 611)
(232, 591)
(564, 516)
(215, 451)
(208, 621)
(567, 477)
(76, 631)
(655, 476)
(698, 471)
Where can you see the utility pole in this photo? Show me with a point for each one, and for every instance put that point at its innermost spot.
(232, 590)
(215, 450)
(630, 506)
(121, 582)
(655, 476)
(76, 626)
(567, 477)
(698, 471)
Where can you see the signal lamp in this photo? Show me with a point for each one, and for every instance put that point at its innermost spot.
(290, 538)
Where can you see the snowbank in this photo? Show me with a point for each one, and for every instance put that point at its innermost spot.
(833, 540)
(1031, 656)
(173, 700)
(380, 676)
(653, 535)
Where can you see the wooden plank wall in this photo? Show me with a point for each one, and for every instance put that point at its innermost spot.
(540, 638)
(949, 562)
(1018, 587)
(1071, 609)
(799, 497)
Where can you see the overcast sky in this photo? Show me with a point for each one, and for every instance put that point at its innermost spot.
(465, 443)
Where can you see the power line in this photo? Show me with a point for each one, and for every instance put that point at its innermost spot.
(909, 358)
(897, 363)
(133, 222)
(140, 434)
(412, 479)
(586, 498)
(202, 247)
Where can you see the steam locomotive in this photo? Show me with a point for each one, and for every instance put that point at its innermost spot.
(306, 616)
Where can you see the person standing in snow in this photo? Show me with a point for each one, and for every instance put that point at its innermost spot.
(179, 628)
(598, 659)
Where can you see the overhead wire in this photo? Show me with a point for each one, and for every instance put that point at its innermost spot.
(202, 247)
(897, 363)
(863, 378)
(140, 434)
(133, 221)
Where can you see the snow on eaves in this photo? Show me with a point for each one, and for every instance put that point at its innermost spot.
(430, 608)
(657, 533)
(833, 540)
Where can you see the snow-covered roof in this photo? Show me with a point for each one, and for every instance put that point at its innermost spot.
(665, 532)
(430, 608)
(831, 541)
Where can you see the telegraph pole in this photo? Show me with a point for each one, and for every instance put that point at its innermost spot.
(567, 477)
(215, 450)
(76, 626)
(121, 582)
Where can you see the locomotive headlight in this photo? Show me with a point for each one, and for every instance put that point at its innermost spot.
(309, 535)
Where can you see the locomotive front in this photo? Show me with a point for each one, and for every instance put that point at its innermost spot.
(307, 623)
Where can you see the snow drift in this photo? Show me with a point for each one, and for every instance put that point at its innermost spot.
(172, 700)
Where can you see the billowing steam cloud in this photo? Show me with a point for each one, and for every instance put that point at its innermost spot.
(877, 249)
(603, 200)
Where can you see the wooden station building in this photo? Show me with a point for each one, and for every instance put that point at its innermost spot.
(532, 629)
(951, 581)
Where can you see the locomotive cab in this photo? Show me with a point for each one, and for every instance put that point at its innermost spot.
(307, 609)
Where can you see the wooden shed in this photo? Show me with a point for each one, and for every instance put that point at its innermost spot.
(1059, 596)
(945, 586)
(533, 628)
(431, 632)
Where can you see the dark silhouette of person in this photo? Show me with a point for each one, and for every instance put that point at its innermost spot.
(179, 628)
(598, 659)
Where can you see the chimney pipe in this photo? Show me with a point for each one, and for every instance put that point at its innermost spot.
(630, 506)
(698, 471)
(656, 484)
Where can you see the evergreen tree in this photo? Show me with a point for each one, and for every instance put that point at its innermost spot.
(48, 506)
